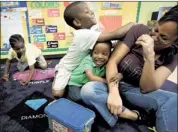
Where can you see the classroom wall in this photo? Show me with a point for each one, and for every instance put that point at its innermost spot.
(147, 8)
(28, 15)
(42, 23)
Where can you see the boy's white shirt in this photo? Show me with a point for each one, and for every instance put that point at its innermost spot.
(83, 41)
(31, 53)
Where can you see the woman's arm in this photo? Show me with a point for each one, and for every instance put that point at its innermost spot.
(114, 101)
(92, 77)
(151, 78)
(111, 69)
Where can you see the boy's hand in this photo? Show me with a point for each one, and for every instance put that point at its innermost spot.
(5, 78)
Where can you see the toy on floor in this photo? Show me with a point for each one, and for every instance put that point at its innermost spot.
(38, 75)
(67, 116)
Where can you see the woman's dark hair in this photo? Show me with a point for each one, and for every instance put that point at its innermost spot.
(171, 15)
(14, 39)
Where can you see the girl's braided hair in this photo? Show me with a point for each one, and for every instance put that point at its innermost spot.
(14, 39)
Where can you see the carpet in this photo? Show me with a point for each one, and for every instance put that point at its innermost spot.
(31, 115)
(18, 113)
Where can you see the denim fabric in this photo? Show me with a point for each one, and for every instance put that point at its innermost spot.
(163, 103)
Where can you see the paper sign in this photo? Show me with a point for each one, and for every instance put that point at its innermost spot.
(39, 21)
(14, 9)
(59, 36)
(53, 12)
(36, 30)
(35, 13)
(44, 4)
(111, 5)
(39, 45)
(5, 47)
(52, 44)
(39, 38)
(111, 22)
(11, 23)
(51, 29)
(10, 4)
(66, 3)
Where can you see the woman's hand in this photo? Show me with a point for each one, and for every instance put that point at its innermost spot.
(114, 103)
(147, 43)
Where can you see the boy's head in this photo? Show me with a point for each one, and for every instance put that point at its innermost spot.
(101, 53)
(79, 16)
(17, 43)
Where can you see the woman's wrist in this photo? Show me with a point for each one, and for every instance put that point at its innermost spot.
(113, 88)
(150, 57)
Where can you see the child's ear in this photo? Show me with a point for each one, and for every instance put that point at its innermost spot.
(76, 23)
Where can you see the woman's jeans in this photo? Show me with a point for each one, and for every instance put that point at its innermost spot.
(163, 103)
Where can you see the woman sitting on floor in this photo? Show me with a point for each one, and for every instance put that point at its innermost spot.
(145, 59)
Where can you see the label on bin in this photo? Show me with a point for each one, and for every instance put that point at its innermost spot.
(59, 127)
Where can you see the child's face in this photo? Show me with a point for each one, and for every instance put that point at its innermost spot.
(85, 16)
(19, 48)
(101, 53)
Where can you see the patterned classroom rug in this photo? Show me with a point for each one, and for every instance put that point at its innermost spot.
(29, 113)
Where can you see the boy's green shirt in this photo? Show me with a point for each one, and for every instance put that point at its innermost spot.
(78, 76)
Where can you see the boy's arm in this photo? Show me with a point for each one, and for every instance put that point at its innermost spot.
(6, 76)
(116, 34)
(32, 69)
(85, 39)
(92, 77)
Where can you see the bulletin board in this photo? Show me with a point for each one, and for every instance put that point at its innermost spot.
(42, 23)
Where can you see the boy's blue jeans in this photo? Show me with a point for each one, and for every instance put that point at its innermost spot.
(164, 103)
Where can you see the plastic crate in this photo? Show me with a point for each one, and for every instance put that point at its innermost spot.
(67, 116)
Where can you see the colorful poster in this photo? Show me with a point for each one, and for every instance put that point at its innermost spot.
(111, 5)
(52, 44)
(38, 22)
(9, 21)
(110, 23)
(36, 30)
(13, 6)
(59, 36)
(44, 4)
(42, 21)
(53, 12)
(39, 45)
(39, 38)
(51, 29)
(9, 4)
(5, 47)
